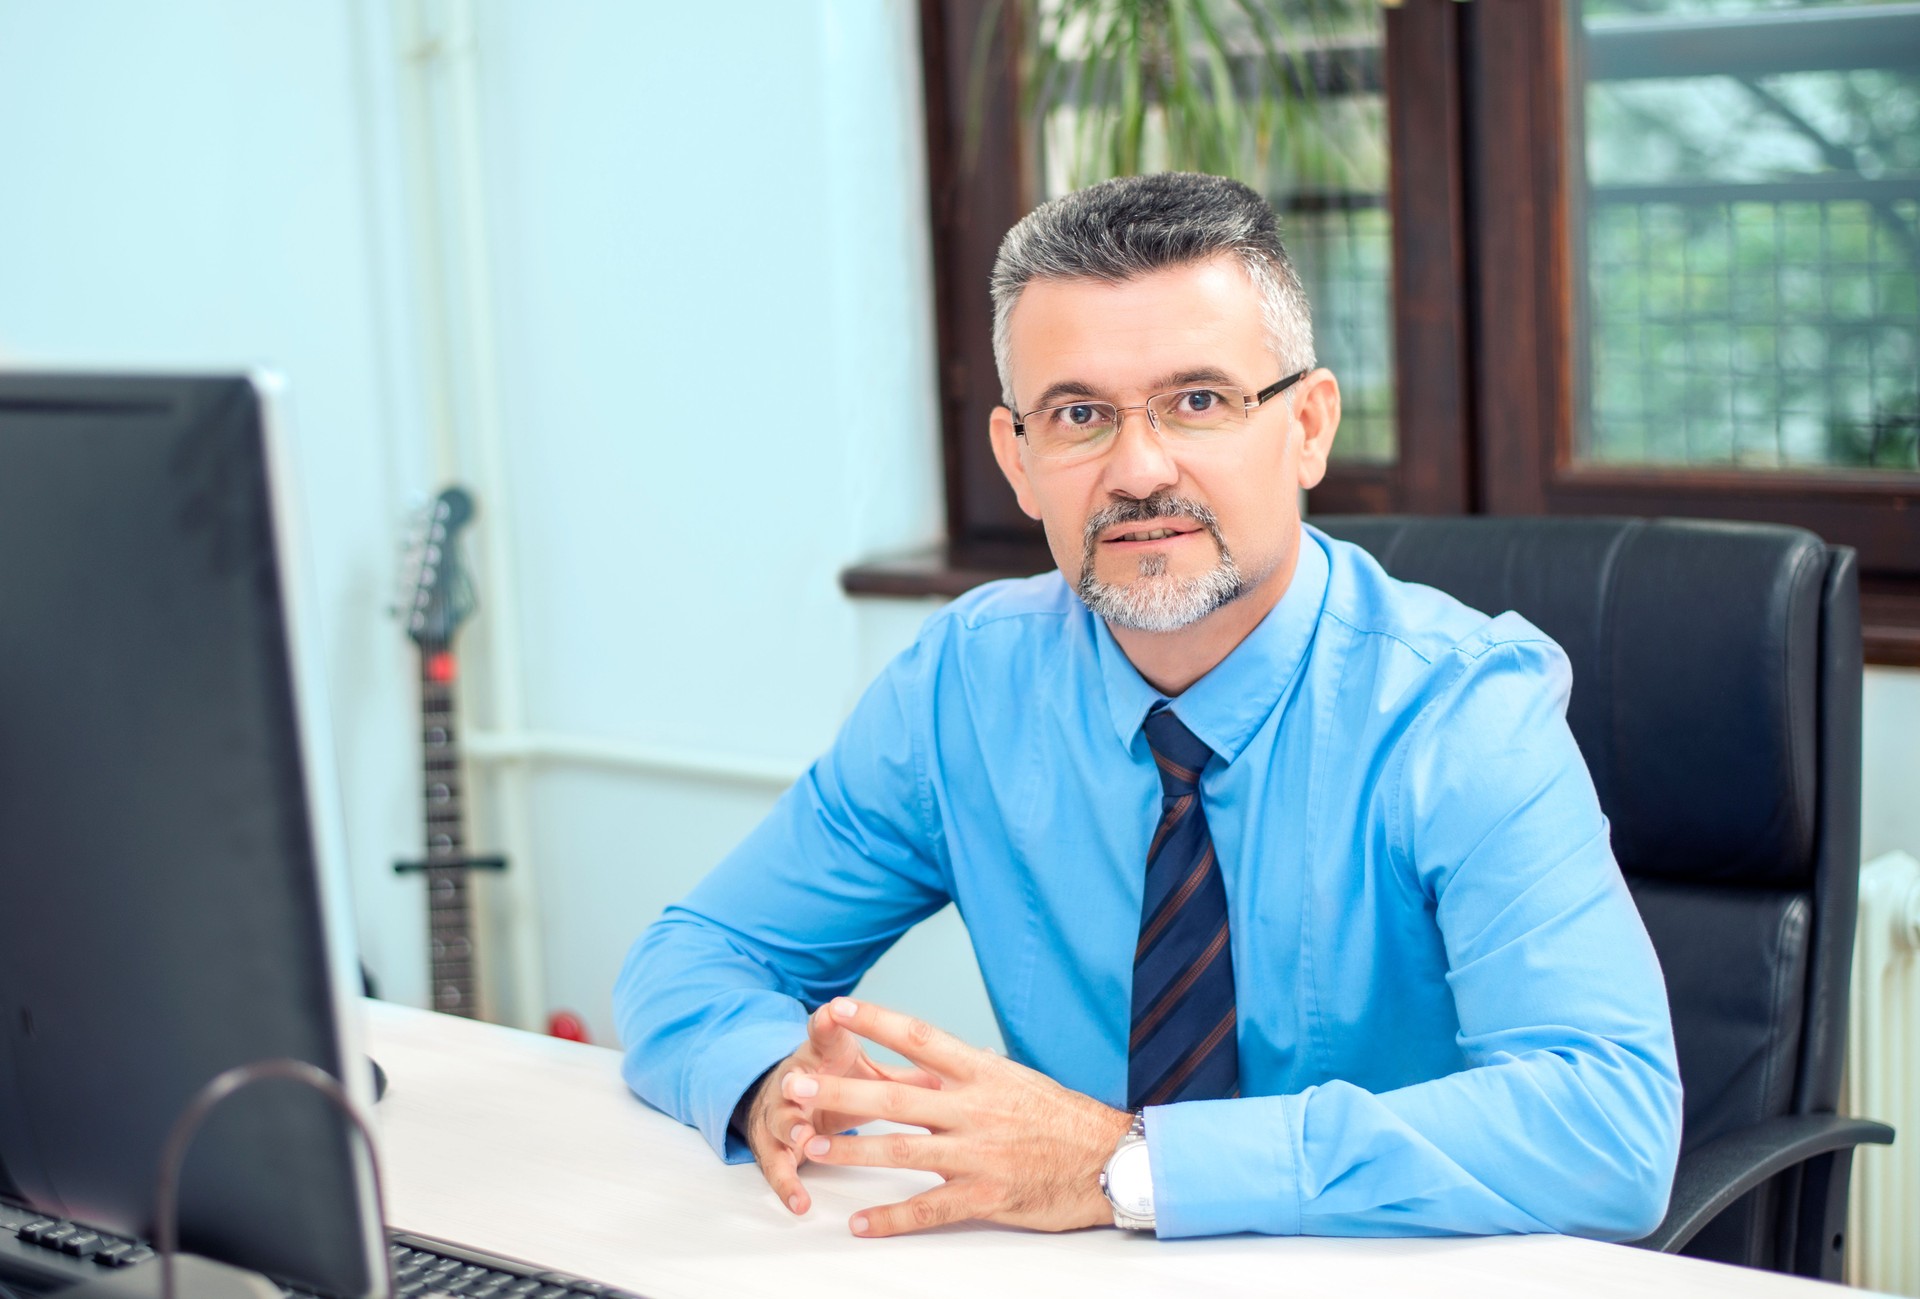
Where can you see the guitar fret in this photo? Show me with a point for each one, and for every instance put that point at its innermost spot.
(452, 951)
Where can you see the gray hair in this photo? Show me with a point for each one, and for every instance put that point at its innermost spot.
(1121, 229)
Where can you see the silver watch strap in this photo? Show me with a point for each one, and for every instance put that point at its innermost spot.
(1136, 1133)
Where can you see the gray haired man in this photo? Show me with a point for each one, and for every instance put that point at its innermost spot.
(1286, 879)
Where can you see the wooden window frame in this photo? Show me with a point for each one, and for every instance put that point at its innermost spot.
(1485, 302)
(1524, 183)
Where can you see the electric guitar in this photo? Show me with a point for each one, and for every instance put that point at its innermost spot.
(439, 600)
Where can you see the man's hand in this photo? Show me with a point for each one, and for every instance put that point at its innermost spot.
(1012, 1145)
(778, 1129)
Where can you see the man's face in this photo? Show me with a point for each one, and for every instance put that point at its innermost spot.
(1156, 532)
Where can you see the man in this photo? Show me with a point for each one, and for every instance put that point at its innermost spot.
(1286, 879)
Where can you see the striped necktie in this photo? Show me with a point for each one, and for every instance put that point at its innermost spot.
(1182, 1044)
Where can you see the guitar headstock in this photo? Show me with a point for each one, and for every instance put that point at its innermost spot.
(438, 590)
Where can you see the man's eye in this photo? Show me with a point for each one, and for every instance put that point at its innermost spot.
(1199, 401)
(1079, 418)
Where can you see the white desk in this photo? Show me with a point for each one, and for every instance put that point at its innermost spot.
(534, 1148)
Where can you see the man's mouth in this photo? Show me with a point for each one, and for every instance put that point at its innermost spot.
(1158, 533)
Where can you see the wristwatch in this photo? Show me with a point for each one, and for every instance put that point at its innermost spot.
(1127, 1181)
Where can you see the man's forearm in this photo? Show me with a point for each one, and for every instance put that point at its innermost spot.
(1535, 1144)
(700, 1025)
(743, 1108)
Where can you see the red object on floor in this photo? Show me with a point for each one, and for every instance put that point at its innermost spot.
(566, 1024)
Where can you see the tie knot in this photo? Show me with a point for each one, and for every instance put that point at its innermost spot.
(1179, 753)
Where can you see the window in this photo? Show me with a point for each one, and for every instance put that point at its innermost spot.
(1690, 283)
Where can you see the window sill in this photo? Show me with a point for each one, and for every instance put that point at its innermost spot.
(1890, 621)
(1889, 608)
(945, 570)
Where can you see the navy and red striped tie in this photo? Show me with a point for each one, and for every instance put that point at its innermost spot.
(1182, 1043)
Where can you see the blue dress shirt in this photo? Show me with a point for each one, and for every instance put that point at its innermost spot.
(1450, 1017)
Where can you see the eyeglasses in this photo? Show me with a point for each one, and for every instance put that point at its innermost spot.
(1086, 428)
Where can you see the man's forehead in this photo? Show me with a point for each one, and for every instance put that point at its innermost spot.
(1169, 322)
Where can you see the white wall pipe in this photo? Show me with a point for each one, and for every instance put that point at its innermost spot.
(510, 748)
(439, 60)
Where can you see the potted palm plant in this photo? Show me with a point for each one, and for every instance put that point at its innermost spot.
(1261, 90)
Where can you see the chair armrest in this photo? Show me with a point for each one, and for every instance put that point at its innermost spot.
(1726, 1168)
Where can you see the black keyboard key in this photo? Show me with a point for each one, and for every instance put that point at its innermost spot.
(526, 1285)
(81, 1244)
(407, 1289)
(53, 1235)
(32, 1231)
(138, 1255)
(586, 1287)
(114, 1253)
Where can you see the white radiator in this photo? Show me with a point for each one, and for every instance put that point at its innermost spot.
(1883, 1078)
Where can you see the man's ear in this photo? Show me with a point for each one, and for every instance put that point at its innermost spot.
(1006, 450)
(1317, 407)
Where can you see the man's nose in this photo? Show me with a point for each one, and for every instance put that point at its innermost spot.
(1139, 463)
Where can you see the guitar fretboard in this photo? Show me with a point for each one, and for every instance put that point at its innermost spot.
(449, 918)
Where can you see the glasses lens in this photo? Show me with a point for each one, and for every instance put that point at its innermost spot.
(1079, 429)
(1198, 412)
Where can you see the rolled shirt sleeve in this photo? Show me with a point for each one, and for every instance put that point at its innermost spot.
(1568, 1116)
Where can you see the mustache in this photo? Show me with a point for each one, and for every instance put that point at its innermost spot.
(1141, 509)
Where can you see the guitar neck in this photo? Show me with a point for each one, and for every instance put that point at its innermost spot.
(450, 943)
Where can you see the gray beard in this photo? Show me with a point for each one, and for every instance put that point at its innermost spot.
(1152, 601)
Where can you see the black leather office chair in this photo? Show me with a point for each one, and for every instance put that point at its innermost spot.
(1716, 697)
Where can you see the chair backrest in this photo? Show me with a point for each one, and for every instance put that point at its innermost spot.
(1716, 698)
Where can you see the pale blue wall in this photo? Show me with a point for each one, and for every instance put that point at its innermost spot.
(189, 186)
(714, 317)
(707, 246)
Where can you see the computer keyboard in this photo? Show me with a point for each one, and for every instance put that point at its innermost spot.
(41, 1256)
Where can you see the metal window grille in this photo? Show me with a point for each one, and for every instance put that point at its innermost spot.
(1343, 248)
(1755, 326)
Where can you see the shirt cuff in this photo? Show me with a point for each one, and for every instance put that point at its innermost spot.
(729, 1066)
(1226, 1166)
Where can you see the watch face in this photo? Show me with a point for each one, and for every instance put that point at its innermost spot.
(1130, 1181)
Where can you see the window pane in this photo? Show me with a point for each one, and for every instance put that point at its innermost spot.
(1752, 233)
(1318, 149)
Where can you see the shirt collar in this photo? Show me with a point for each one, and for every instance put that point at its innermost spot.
(1227, 705)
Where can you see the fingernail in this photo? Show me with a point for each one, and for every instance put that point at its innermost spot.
(859, 1226)
(845, 1007)
(818, 1147)
(801, 1085)
(793, 1202)
(798, 1128)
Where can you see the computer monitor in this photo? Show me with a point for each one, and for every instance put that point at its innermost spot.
(171, 889)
